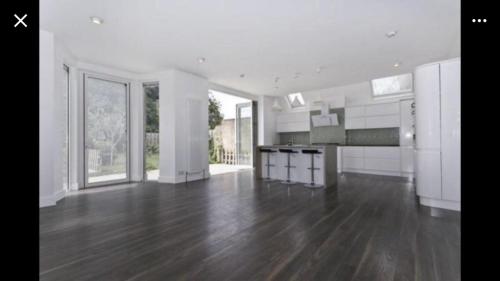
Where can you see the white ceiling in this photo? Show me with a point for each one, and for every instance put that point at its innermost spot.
(260, 38)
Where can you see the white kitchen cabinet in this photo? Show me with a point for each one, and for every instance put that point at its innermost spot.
(339, 159)
(381, 164)
(407, 124)
(384, 115)
(382, 152)
(427, 100)
(355, 123)
(429, 174)
(450, 130)
(352, 163)
(407, 161)
(355, 111)
(293, 122)
(350, 151)
(386, 121)
(437, 102)
(391, 108)
(381, 160)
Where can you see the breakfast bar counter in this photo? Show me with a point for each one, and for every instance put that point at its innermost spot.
(301, 164)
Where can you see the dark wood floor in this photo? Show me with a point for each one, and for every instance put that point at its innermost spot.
(233, 227)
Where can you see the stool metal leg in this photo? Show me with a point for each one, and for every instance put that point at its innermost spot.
(313, 184)
(288, 172)
(268, 178)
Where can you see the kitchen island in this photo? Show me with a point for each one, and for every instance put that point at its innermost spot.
(325, 163)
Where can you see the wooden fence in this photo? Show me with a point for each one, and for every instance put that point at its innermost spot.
(152, 139)
(232, 158)
(94, 160)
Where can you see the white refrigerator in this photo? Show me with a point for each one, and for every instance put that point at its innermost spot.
(437, 102)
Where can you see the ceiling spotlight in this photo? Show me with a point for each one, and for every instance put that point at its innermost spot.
(397, 64)
(391, 34)
(96, 20)
(201, 59)
(242, 75)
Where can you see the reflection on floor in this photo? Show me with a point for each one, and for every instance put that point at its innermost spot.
(236, 227)
(217, 169)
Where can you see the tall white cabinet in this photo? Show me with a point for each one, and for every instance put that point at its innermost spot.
(437, 102)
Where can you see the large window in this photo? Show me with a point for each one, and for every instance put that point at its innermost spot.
(106, 131)
(295, 100)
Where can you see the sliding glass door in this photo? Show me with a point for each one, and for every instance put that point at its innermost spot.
(106, 131)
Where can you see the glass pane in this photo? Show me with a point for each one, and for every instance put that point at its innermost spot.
(392, 85)
(296, 100)
(106, 130)
(244, 134)
(152, 144)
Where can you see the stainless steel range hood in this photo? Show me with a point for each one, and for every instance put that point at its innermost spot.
(325, 118)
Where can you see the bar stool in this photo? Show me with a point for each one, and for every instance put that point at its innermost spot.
(268, 151)
(288, 152)
(312, 168)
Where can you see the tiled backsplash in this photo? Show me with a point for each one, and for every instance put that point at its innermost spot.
(383, 136)
(298, 137)
(329, 134)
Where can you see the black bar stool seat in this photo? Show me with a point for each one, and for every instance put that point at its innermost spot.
(268, 165)
(288, 151)
(312, 152)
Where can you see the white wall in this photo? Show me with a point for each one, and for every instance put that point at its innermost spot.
(47, 122)
(176, 87)
(266, 121)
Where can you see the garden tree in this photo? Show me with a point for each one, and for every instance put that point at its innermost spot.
(107, 116)
(215, 118)
(151, 104)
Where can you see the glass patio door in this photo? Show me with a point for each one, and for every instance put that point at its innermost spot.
(243, 132)
(106, 131)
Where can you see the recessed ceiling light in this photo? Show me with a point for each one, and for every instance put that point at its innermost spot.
(201, 59)
(397, 64)
(96, 20)
(391, 34)
(318, 70)
(242, 75)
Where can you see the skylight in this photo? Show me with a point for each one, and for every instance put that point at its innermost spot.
(295, 100)
(392, 85)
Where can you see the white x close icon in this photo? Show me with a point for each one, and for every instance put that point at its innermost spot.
(20, 20)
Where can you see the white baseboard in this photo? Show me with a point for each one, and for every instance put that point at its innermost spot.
(443, 204)
(46, 201)
(51, 200)
(373, 172)
(180, 179)
(59, 195)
